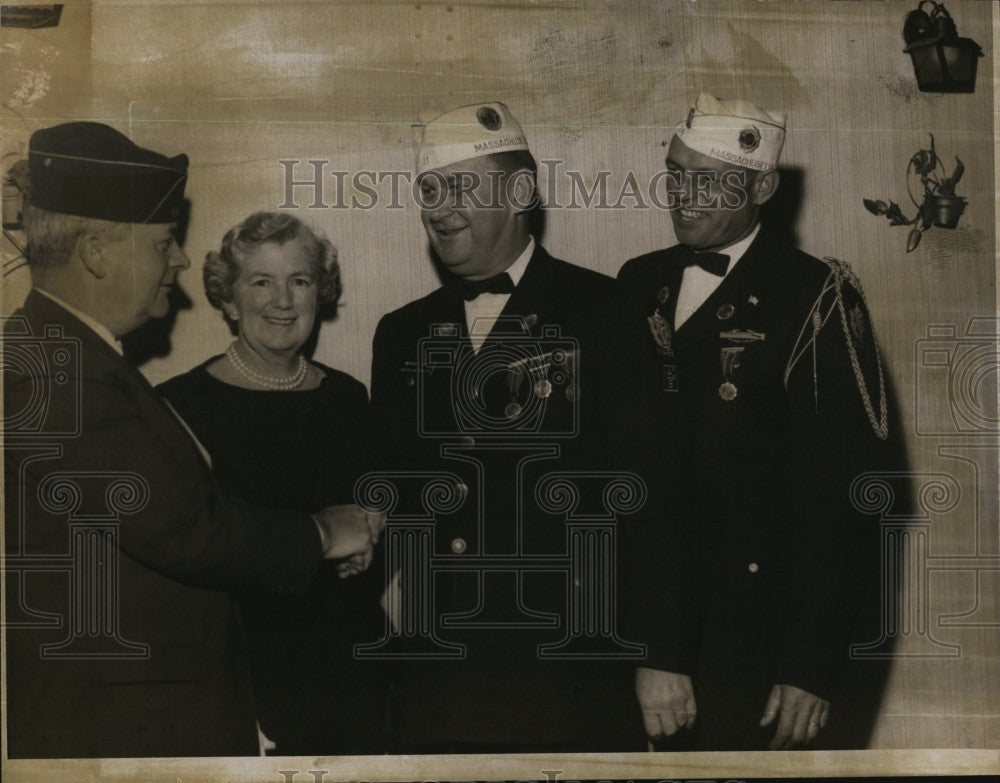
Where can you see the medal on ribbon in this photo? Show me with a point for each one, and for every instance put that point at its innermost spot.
(730, 357)
(535, 377)
(663, 335)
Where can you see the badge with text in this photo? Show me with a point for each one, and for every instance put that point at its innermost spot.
(670, 378)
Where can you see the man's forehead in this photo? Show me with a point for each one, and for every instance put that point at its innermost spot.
(680, 155)
(454, 171)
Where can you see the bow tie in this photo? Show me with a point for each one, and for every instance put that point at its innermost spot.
(498, 284)
(713, 263)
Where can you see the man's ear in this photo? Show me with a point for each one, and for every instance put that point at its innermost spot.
(90, 248)
(521, 191)
(765, 185)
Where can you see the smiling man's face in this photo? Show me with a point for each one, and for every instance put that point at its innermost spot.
(469, 220)
(726, 205)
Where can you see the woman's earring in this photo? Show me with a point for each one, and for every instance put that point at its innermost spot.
(234, 314)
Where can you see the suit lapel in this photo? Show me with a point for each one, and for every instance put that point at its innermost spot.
(97, 356)
(668, 285)
(537, 299)
(444, 311)
(726, 302)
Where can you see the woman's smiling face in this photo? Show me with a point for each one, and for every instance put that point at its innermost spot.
(276, 295)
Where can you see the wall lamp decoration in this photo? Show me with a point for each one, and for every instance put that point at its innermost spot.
(15, 185)
(939, 206)
(942, 61)
(31, 16)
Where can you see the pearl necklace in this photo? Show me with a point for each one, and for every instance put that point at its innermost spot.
(267, 381)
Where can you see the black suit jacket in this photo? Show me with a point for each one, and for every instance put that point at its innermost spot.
(438, 407)
(151, 666)
(750, 562)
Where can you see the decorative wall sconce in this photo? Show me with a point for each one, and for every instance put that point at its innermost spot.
(32, 16)
(940, 206)
(15, 185)
(942, 61)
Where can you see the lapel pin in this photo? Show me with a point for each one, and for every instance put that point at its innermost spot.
(753, 300)
(725, 312)
(663, 295)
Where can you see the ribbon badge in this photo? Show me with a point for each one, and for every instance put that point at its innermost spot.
(730, 357)
(662, 333)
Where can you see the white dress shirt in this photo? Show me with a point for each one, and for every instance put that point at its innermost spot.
(697, 284)
(482, 312)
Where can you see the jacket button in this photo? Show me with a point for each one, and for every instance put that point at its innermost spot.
(468, 440)
(753, 568)
(458, 545)
(462, 488)
(410, 381)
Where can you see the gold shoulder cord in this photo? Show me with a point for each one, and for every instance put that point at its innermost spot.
(839, 273)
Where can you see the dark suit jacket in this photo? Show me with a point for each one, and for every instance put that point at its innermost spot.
(750, 562)
(154, 670)
(437, 406)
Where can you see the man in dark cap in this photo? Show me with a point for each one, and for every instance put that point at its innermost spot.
(749, 394)
(121, 637)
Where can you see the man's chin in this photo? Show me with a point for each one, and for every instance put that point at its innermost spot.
(454, 262)
(692, 236)
(159, 309)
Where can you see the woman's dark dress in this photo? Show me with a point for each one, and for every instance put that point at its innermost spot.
(299, 450)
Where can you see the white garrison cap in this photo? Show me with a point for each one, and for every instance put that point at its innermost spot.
(466, 132)
(734, 131)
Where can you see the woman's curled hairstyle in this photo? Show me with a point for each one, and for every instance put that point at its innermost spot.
(222, 267)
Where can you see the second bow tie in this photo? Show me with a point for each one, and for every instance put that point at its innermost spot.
(713, 263)
(498, 284)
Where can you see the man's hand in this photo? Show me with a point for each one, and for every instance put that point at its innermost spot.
(347, 533)
(353, 566)
(376, 524)
(800, 716)
(666, 699)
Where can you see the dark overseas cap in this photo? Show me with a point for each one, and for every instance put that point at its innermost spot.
(91, 170)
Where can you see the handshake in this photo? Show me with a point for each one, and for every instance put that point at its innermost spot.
(349, 534)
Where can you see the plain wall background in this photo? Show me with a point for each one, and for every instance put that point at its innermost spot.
(239, 86)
